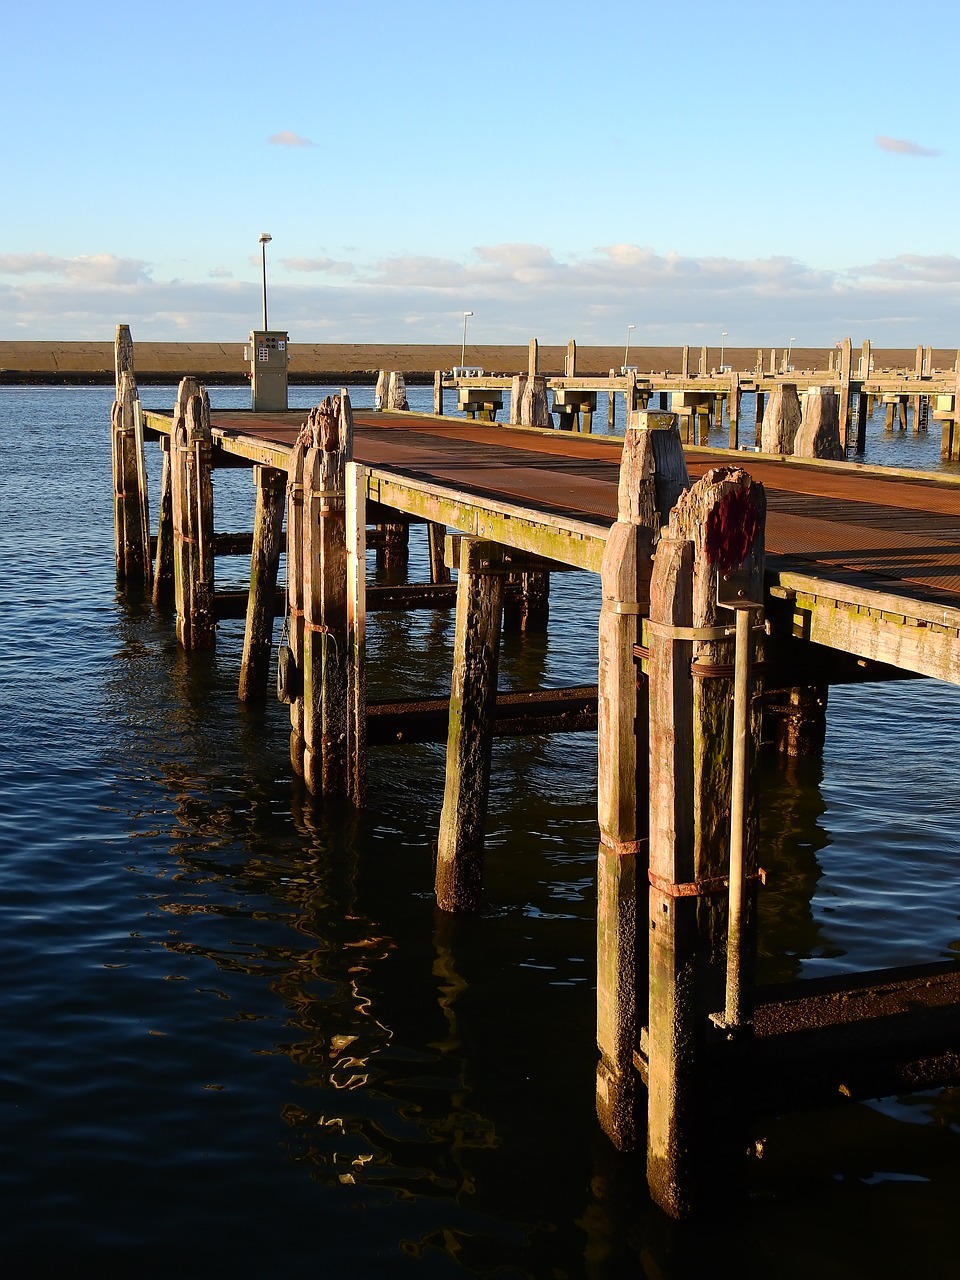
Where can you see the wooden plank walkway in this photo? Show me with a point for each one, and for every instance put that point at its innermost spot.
(870, 556)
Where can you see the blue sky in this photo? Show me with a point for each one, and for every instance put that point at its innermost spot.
(559, 170)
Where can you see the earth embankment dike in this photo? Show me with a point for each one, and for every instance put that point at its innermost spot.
(223, 362)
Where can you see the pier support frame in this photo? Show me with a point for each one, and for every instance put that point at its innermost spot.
(473, 691)
(652, 474)
(264, 561)
(693, 1142)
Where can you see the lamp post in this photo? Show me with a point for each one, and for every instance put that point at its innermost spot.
(463, 344)
(723, 334)
(626, 349)
(789, 352)
(265, 237)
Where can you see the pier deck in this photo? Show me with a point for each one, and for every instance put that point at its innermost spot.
(869, 557)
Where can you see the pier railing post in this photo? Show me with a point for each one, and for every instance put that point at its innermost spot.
(131, 506)
(325, 598)
(264, 561)
(473, 692)
(652, 475)
(716, 531)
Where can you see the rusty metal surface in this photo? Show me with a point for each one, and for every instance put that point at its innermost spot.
(897, 534)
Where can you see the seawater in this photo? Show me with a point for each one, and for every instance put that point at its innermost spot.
(239, 1040)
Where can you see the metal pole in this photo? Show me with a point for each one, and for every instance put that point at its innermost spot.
(722, 336)
(734, 1014)
(264, 237)
(463, 345)
(626, 349)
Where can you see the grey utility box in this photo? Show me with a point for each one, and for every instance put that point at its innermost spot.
(267, 354)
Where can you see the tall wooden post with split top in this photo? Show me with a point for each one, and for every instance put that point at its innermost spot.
(130, 502)
(653, 473)
(191, 494)
(715, 538)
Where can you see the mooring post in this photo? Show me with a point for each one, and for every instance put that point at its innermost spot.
(130, 502)
(715, 538)
(264, 561)
(863, 412)
(534, 409)
(356, 518)
(820, 434)
(846, 364)
(733, 399)
(652, 475)
(438, 393)
(191, 479)
(781, 420)
(759, 416)
(325, 692)
(473, 692)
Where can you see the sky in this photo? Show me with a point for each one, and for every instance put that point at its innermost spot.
(768, 173)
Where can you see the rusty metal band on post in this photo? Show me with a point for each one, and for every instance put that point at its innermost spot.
(698, 888)
(623, 848)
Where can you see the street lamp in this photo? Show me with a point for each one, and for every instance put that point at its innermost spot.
(626, 349)
(463, 344)
(722, 336)
(789, 351)
(265, 237)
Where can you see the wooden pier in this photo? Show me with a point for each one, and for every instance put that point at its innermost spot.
(736, 587)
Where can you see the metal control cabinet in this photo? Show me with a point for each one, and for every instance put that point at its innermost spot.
(267, 354)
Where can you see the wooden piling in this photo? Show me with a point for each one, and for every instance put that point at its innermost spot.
(781, 420)
(820, 433)
(843, 408)
(356, 526)
(439, 572)
(528, 609)
(534, 409)
(295, 609)
(652, 475)
(325, 599)
(716, 529)
(438, 393)
(795, 720)
(473, 692)
(130, 503)
(191, 484)
(271, 490)
(863, 413)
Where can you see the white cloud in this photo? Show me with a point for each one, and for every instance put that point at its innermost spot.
(286, 138)
(515, 291)
(903, 146)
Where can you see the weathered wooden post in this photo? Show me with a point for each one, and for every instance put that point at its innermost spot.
(863, 413)
(685, 363)
(163, 589)
(534, 410)
(781, 420)
(295, 611)
(438, 393)
(529, 608)
(325, 598)
(846, 363)
(397, 393)
(356, 520)
(191, 450)
(653, 473)
(758, 416)
(714, 543)
(733, 400)
(264, 562)
(473, 692)
(611, 404)
(393, 548)
(436, 534)
(820, 433)
(130, 501)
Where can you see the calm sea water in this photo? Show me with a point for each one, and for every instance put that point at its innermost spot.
(238, 1039)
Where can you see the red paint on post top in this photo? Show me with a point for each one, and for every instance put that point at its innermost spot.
(732, 528)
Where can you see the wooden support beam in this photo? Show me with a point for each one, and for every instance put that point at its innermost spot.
(436, 533)
(716, 531)
(325, 598)
(472, 699)
(271, 486)
(652, 474)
